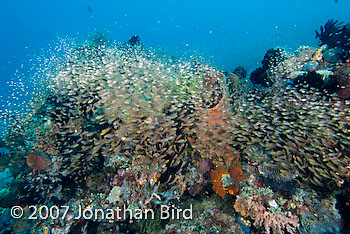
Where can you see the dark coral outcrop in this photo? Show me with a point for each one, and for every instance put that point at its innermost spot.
(335, 34)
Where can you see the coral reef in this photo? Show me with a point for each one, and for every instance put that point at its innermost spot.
(226, 181)
(343, 74)
(241, 72)
(4, 151)
(263, 217)
(38, 162)
(122, 127)
(212, 217)
(5, 177)
(261, 76)
(304, 212)
(301, 140)
(134, 40)
(335, 34)
(330, 33)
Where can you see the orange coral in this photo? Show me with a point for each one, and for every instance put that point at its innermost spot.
(213, 127)
(233, 189)
(217, 174)
(215, 116)
(38, 161)
(236, 171)
(212, 135)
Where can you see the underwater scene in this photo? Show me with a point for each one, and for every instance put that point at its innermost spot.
(165, 117)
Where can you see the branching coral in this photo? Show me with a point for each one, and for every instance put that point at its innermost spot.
(262, 217)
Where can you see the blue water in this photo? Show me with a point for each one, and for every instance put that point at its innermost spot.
(227, 33)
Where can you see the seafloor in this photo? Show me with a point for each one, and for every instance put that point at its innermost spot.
(119, 139)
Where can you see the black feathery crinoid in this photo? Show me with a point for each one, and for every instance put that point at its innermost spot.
(335, 34)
